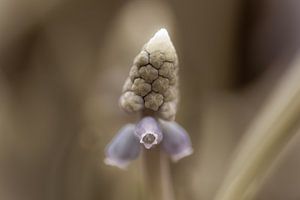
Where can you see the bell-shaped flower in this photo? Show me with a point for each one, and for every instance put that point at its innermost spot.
(149, 132)
(123, 148)
(176, 140)
(126, 145)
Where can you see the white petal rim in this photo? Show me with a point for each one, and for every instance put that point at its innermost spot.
(149, 146)
(122, 165)
(186, 152)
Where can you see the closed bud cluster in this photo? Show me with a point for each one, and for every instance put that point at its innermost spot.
(153, 81)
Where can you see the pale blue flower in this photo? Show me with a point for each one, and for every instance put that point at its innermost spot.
(148, 132)
(123, 148)
(176, 140)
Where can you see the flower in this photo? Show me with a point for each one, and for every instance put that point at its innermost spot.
(123, 148)
(153, 80)
(148, 132)
(152, 88)
(176, 141)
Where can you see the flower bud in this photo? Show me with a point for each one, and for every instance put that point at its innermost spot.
(176, 141)
(148, 131)
(123, 148)
(153, 79)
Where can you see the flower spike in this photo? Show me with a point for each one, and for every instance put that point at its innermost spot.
(151, 88)
(153, 81)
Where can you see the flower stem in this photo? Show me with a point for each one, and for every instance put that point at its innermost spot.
(157, 178)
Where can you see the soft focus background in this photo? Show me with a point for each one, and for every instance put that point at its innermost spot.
(62, 67)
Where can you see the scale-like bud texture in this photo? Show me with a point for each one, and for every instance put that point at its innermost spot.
(153, 81)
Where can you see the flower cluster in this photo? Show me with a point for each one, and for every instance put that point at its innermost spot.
(152, 88)
(126, 147)
(152, 83)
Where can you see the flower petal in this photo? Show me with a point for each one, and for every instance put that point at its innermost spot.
(123, 148)
(176, 140)
(148, 131)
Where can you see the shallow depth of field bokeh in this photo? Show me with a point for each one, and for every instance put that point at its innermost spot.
(62, 67)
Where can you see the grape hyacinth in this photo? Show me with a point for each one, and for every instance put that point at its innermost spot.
(152, 91)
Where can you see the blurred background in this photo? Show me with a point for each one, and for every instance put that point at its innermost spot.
(62, 67)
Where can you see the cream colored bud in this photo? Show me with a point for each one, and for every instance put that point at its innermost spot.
(160, 85)
(131, 102)
(157, 59)
(152, 82)
(127, 85)
(168, 70)
(153, 101)
(171, 94)
(141, 59)
(140, 87)
(168, 110)
(161, 45)
(148, 73)
(134, 72)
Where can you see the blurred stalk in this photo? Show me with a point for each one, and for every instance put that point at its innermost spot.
(265, 139)
(157, 184)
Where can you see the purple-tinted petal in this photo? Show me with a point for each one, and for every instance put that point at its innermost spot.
(148, 131)
(176, 141)
(123, 148)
